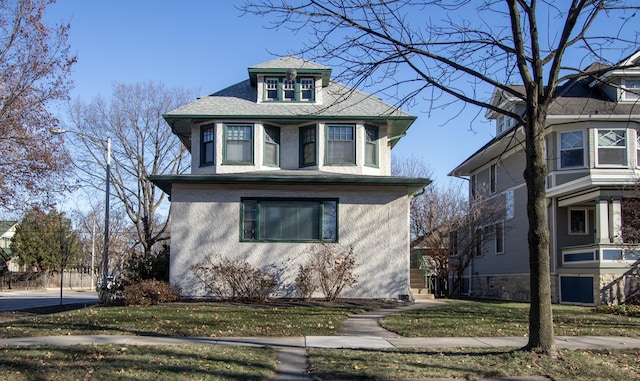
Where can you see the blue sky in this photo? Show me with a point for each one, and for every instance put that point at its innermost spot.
(207, 45)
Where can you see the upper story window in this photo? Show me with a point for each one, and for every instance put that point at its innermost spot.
(504, 123)
(493, 183)
(612, 147)
(207, 145)
(280, 89)
(341, 144)
(578, 221)
(571, 149)
(631, 89)
(371, 146)
(308, 148)
(238, 144)
(271, 146)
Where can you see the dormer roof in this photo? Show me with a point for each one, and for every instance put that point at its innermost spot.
(282, 65)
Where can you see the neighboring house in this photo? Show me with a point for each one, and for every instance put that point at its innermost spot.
(593, 155)
(7, 231)
(282, 162)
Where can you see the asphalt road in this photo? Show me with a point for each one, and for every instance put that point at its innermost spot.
(19, 300)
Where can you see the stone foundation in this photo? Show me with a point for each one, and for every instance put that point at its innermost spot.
(508, 287)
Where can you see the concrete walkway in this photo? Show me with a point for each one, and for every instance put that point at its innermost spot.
(361, 331)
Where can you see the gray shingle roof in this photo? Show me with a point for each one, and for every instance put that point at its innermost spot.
(289, 62)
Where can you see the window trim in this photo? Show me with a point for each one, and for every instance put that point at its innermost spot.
(321, 223)
(623, 148)
(560, 150)
(375, 144)
(625, 93)
(203, 162)
(493, 178)
(302, 144)
(276, 143)
(280, 82)
(327, 128)
(585, 212)
(225, 140)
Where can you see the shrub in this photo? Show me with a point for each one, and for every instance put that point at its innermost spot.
(236, 280)
(622, 309)
(150, 292)
(330, 268)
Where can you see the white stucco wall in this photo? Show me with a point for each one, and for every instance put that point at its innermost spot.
(205, 222)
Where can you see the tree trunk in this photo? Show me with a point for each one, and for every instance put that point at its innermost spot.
(541, 336)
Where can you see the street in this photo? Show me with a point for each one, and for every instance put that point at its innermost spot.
(21, 299)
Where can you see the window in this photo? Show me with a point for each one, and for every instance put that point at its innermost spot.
(340, 144)
(271, 146)
(492, 175)
(371, 146)
(473, 184)
(303, 220)
(477, 240)
(207, 145)
(453, 242)
(238, 147)
(271, 89)
(280, 89)
(612, 147)
(306, 89)
(631, 89)
(571, 149)
(637, 148)
(499, 232)
(578, 221)
(307, 146)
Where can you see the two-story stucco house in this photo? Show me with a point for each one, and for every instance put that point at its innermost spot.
(285, 160)
(593, 157)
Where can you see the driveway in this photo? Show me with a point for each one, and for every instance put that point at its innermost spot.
(20, 300)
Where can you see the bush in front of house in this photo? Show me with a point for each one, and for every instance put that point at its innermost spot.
(234, 279)
(330, 268)
(622, 310)
(150, 292)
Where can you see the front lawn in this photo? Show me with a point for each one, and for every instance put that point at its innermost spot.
(114, 362)
(493, 318)
(184, 319)
(472, 364)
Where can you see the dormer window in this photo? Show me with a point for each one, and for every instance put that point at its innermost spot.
(504, 123)
(281, 89)
(631, 89)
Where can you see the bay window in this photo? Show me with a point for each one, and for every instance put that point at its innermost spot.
(612, 147)
(571, 149)
(238, 144)
(341, 144)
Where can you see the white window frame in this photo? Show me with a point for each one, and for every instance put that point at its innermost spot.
(633, 95)
(585, 213)
(614, 147)
(572, 148)
(493, 178)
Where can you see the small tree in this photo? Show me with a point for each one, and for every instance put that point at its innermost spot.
(46, 241)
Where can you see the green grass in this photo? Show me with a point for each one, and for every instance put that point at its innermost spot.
(472, 364)
(183, 319)
(108, 362)
(487, 318)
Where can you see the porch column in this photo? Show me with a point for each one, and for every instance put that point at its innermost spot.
(602, 221)
(615, 220)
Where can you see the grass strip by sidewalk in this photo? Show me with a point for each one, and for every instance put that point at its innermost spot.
(109, 362)
(493, 318)
(472, 364)
(184, 319)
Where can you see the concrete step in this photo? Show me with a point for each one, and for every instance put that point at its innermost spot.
(422, 294)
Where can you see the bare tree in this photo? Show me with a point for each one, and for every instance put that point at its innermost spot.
(34, 74)
(143, 145)
(437, 49)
